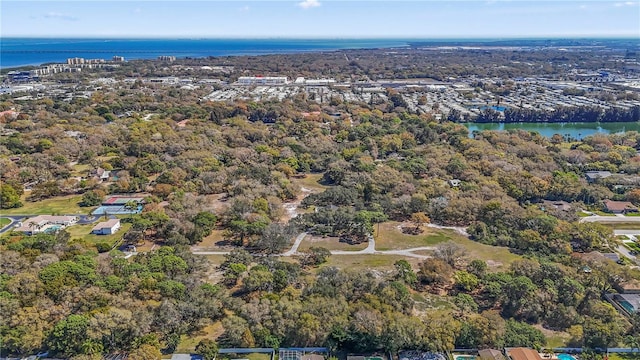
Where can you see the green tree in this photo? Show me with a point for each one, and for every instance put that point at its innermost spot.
(68, 335)
(145, 352)
(207, 348)
(9, 197)
(465, 281)
(92, 198)
(523, 334)
(314, 256)
(405, 273)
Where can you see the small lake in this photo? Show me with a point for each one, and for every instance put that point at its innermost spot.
(577, 130)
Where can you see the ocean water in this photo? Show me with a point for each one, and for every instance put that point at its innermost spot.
(16, 52)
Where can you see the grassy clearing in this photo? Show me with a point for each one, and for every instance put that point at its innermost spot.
(632, 214)
(62, 205)
(431, 302)
(215, 260)
(81, 170)
(188, 342)
(330, 243)
(389, 237)
(497, 257)
(84, 232)
(624, 226)
(4, 222)
(311, 182)
(367, 261)
(624, 356)
(209, 243)
(555, 339)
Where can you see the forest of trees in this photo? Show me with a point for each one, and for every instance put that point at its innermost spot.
(228, 169)
(558, 115)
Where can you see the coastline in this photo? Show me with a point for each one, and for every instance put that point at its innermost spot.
(22, 52)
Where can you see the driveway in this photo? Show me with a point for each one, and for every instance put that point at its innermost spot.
(14, 219)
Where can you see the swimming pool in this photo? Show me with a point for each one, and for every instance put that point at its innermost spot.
(465, 357)
(565, 357)
(52, 229)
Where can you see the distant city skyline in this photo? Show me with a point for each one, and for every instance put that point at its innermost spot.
(320, 19)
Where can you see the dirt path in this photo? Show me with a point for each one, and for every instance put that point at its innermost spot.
(291, 208)
(459, 229)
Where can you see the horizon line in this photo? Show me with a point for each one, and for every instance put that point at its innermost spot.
(329, 37)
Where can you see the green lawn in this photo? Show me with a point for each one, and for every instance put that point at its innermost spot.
(4, 222)
(602, 213)
(330, 243)
(632, 246)
(632, 214)
(389, 237)
(84, 232)
(62, 205)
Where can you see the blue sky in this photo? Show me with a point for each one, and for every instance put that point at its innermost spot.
(319, 18)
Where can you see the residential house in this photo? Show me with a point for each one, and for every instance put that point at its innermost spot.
(490, 354)
(619, 207)
(186, 357)
(44, 224)
(627, 301)
(523, 354)
(106, 227)
(102, 174)
(594, 176)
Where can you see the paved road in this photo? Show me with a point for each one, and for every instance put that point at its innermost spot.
(370, 249)
(612, 219)
(627, 232)
(296, 245)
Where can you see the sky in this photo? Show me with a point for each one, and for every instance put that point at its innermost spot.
(320, 18)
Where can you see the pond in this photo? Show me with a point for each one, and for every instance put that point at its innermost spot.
(577, 130)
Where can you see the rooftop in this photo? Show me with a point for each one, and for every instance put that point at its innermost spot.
(612, 205)
(106, 224)
(523, 354)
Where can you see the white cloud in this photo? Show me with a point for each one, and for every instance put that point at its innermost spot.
(137, 10)
(245, 8)
(626, 3)
(61, 16)
(307, 4)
